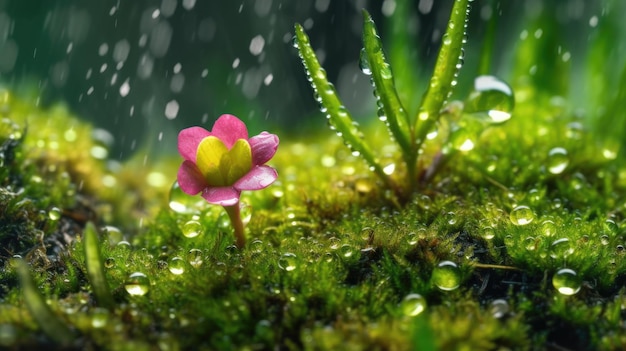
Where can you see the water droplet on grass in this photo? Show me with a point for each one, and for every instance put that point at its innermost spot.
(566, 281)
(109, 262)
(412, 305)
(137, 284)
(364, 63)
(54, 214)
(446, 276)
(488, 233)
(548, 228)
(522, 215)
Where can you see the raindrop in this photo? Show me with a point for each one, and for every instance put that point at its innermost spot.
(566, 281)
(491, 101)
(114, 234)
(557, 160)
(256, 45)
(192, 229)
(288, 262)
(521, 215)
(446, 39)
(177, 265)
(171, 109)
(125, 88)
(99, 317)
(137, 284)
(412, 305)
(446, 276)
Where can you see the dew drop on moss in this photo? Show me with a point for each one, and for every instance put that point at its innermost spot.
(180, 202)
(191, 229)
(561, 248)
(137, 284)
(446, 276)
(194, 257)
(288, 262)
(176, 265)
(566, 281)
(492, 100)
(412, 305)
(109, 262)
(346, 250)
(488, 233)
(54, 214)
(557, 160)
(499, 308)
(548, 228)
(610, 227)
(99, 317)
(521, 215)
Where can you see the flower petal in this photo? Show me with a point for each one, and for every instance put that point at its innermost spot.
(190, 180)
(210, 153)
(263, 147)
(225, 196)
(228, 129)
(237, 162)
(188, 141)
(259, 177)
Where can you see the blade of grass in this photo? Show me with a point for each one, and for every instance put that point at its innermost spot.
(331, 105)
(95, 269)
(55, 328)
(397, 119)
(445, 72)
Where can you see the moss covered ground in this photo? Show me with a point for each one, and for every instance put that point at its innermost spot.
(516, 244)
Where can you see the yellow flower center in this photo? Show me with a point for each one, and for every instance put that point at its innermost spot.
(221, 166)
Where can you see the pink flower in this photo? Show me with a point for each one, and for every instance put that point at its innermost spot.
(223, 162)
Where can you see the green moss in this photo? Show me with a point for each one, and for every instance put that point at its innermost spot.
(331, 255)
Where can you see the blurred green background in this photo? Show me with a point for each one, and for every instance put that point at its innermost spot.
(145, 69)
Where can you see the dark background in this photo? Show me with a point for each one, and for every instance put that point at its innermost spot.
(195, 55)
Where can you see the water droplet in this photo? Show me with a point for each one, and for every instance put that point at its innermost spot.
(288, 262)
(557, 160)
(488, 233)
(566, 281)
(194, 257)
(548, 228)
(446, 276)
(99, 317)
(530, 243)
(364, 63)
(412, 305)
(492, 100)
(521, 215)
(346, 250)
(192, 229)
(446, 39)
(137, 284)
(177, 265)
(451, 218)
(499, 308)
(182, 203)
(561, 248)
(610, 227)
(109, 262)
(54, 214)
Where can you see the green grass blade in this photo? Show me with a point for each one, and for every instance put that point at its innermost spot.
(55, 328)
(331, 105)
(445, 72)
(95, 269)
(390, 106)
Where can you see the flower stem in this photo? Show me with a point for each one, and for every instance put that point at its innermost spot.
(234, 213)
